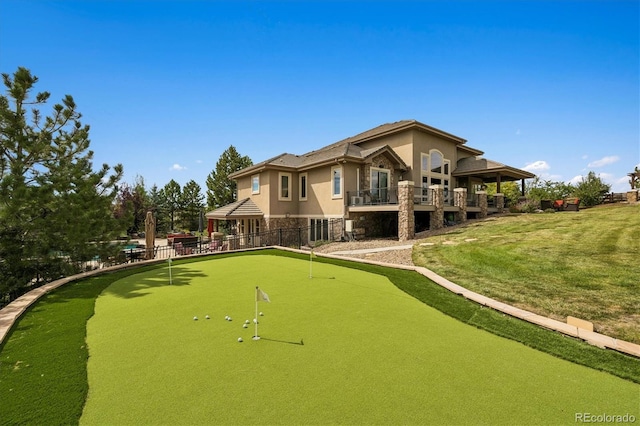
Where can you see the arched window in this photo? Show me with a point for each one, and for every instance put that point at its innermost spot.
(436, 171)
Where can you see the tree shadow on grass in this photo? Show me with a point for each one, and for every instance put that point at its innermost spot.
(180, 276)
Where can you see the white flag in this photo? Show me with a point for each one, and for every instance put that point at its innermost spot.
(261, 296)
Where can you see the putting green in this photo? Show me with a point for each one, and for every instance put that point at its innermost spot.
(345, 347)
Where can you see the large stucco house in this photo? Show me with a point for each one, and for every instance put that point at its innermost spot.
(395, 179)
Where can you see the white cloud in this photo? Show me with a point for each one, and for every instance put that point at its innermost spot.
(604, 161)
(584, 157)
(177, 167)
(575, 180)
(536, 166)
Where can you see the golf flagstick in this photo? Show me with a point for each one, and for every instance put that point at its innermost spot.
(170, 277)
(261, 296)
(311, 264)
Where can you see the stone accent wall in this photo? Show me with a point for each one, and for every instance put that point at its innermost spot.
(284, 222)
(633, 196)
(437, 217)
(376, 162)
(460, 201)
(482, 203)
(406, 218)
(500, 202)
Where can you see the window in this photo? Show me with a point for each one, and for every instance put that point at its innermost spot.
(336, 182)
(284, 187)
(436, 171)
(255, 184)
(303, 186)
(436, 162)
(318, 229)
(379, 184)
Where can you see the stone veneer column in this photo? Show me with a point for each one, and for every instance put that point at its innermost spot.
(437, 217)
(500, 202)
(406, 218)
(632, 196)
(460, 201)
(482, 203)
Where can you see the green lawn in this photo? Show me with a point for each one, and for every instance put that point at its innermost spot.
(372, 354)
(582, 264)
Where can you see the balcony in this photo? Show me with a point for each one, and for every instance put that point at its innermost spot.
(373, 197)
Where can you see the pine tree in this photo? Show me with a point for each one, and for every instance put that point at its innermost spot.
(55, 211)
(192, 204)
(171, 196)
(220, 189)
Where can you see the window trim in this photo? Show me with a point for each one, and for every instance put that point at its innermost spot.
(280, 176)
(303, 187)
(338, 195)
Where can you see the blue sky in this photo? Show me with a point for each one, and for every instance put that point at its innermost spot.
(548, 86)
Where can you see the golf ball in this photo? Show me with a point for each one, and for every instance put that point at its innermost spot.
(246, 321)
(207, 317)
(195, 318)
(244, 326)
(261, 314)
(230, 319)
(226, 317)
(239, 339)
(255, 321)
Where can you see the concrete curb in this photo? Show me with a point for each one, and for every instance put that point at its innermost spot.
(10, 313)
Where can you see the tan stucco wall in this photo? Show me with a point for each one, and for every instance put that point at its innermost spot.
(261, 199)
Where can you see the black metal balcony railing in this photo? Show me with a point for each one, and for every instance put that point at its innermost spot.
(423, 196)
(369, 197)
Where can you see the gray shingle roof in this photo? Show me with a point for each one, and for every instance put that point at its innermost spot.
(237, 209)
(347, 148)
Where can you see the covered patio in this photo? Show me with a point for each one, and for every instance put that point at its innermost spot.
(482, 170)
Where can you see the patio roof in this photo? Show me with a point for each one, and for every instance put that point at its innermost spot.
(489, 170)
(238, 209)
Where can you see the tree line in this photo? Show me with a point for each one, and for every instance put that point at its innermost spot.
(179, 208)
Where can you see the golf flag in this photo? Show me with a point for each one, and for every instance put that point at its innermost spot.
(261, 296)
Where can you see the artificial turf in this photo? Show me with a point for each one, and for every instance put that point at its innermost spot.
(345, 347)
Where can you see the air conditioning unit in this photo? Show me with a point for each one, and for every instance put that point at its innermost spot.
(348, 225)
(356, 201)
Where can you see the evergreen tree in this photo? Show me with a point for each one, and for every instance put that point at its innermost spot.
(171, 196)
(220, 189)
(192, 204)
(156, 205)
(55, 211)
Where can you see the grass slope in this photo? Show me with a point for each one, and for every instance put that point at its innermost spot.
(582, 264)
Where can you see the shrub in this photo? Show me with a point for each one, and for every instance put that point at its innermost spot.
(590, 190)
